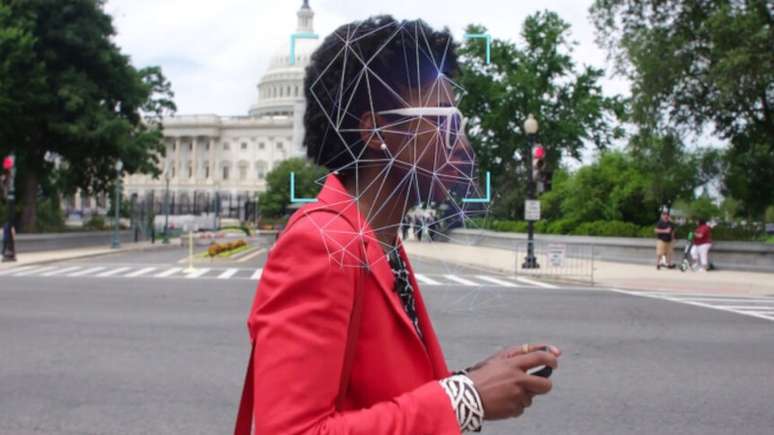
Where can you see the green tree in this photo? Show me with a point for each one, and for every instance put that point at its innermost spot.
(703, 207)
(702, 63)
(275, 200)
(70, 99)
(536, 76)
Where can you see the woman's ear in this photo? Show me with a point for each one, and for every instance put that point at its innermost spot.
(369, 131)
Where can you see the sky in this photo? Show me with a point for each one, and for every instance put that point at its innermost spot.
(215, 52)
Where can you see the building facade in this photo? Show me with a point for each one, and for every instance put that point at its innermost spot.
(214, 159)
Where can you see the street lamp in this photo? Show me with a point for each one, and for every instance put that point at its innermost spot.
(165, 240)
(531, 129)
(116, 205)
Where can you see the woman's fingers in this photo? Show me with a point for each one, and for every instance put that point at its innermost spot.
(536, 359)
(537, 385)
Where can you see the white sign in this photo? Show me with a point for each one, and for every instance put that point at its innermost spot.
(532, 210)
(556, 254)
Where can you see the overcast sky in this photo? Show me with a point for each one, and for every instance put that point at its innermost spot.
(214, 52)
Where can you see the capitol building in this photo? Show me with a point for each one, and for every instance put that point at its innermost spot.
(211, 157)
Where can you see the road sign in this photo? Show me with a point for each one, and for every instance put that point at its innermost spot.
(556, 254)
(532, 210)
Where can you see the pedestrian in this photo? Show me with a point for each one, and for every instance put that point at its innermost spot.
(342, 339)
(9, 245)
(404, 226)
(419, 223)
(702, 242)
(665, 234)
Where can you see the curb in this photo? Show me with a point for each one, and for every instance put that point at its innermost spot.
(94, 254)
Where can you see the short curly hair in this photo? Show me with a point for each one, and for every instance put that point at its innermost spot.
(365, 66)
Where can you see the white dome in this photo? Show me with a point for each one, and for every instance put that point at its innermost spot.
(280, 90)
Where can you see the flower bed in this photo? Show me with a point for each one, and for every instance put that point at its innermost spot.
(227, 248)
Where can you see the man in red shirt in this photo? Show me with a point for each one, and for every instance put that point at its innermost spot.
(702, 242)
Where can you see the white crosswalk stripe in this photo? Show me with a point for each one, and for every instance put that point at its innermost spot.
(235, 273)
(168, 272)
(462, 281)
(140, 272)
(496, 281)
(425, 280)
(114, 271)
(34, 270)
(86, 271)
(755, 306)
(196, 273)
(228, 273)
(61, 271)
(16, 269)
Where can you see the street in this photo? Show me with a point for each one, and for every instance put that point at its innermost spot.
(132, 344)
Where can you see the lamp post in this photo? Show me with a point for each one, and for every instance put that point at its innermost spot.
(116, 205)
(531, 129)
(165, 239)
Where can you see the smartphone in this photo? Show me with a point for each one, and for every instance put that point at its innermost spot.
(542, 371)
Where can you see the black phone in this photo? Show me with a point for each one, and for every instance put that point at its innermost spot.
(542, 371)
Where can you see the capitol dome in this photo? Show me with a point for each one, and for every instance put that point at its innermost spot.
(280, 90)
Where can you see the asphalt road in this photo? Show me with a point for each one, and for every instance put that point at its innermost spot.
(88, 354)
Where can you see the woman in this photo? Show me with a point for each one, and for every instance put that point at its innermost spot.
(702, 242)
(342, 339)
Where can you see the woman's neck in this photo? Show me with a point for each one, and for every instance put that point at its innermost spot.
(383, 204)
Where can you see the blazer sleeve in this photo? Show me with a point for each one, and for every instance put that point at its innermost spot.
(300, 320)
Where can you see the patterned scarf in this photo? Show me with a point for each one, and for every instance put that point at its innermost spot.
(403, 288)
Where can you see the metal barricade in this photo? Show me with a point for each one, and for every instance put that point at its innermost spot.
(565, 261)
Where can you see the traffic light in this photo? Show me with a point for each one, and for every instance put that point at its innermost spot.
(538, 167)
(8, 163)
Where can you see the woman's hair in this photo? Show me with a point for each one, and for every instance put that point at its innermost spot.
(702, 221)
(367, 66)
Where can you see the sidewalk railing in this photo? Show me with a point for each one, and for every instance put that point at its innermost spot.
(566, 261)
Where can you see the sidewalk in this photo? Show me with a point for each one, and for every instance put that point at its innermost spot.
(607, 274)
(26, 259)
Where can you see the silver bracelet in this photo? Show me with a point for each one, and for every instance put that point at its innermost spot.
(466, 402)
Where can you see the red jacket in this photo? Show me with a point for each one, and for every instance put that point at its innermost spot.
(299, 322)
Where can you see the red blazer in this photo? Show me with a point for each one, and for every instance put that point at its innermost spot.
(299, 323)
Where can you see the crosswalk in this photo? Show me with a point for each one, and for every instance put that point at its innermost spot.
(761, 307)
(231, 273)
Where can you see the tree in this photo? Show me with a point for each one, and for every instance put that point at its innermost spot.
(700, 63)
(308, 182)
(538, 77)
(71, 100)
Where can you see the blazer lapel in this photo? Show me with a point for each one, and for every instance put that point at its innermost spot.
(335, 196)
(432, 345)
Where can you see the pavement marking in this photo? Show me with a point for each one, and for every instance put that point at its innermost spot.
(113, 272)
(196, 273)
(61, 271)
(686, 301)
(535, 283)
(496, 281)
(763, 300)
(16, 269)
(168, 272)
(34, 270)
(86, 271)
(425, 280)
(257, 273)
(252, 255)
(140, 272)
(462, 281)
(228, 273)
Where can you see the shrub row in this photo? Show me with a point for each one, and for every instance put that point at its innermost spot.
(610, 229)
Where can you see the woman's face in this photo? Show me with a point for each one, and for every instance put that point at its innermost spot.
(426, 146)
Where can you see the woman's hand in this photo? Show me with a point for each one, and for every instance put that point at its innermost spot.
(503, 384)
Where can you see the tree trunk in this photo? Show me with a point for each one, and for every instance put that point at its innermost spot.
(29, 201)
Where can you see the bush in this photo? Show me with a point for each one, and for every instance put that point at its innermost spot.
(50, 217)
(607, 229)
(95, 223)
(561, 226)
